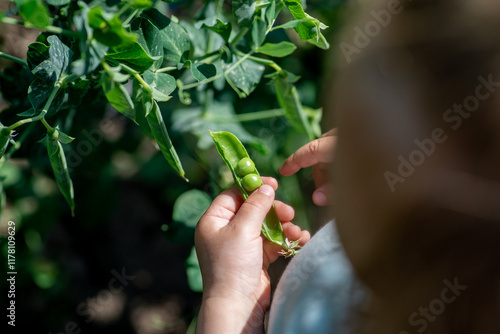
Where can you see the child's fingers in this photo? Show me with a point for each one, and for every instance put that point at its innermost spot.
(270, 181)
(225, 206)
(332, 132)
(285, 212)
(322, 195)
(294, 232)
(319, 150)
(252, 212)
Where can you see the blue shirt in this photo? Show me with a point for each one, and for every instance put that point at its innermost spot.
(318, 292)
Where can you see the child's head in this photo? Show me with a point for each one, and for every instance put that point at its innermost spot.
(417, 167)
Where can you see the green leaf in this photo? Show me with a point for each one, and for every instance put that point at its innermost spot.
(320, 42)
(309, 28)
(49, 63)
(115, 73)
(139, 97)
(175, 40)
(244, 10)
(140, 4)
(288, 25)
(171, 1)
(118, 96)
(270, 14)
(91, 51)
(202, 71)
(64, 138)
(34, 12)
(77, 91)
(198, 37)
(223, 29)
(160, 134)
(245, 76)
(193, 272)
(58, 2)
(216, 117)
(258, 33)
(190, 206)
(289, 100)
(314, 117)
(281, 49)
(37, 53)
(149, 38)
(38, 93)
(108, 28)
(60, 167)
(163, 85)
(134, 56)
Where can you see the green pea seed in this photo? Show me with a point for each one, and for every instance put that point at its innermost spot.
(251, 182)
(245, 166)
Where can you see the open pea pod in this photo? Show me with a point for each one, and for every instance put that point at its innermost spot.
(233, 152)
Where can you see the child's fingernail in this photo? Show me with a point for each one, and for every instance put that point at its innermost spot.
(265, 189)
(320, 198)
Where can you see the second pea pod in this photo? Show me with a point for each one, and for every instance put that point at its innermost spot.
(247, 178)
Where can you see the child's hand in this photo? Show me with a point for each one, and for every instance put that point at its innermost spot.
(234, 259)
(319, 154)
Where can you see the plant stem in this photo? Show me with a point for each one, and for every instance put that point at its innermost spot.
(166, 69)
(238, 63)
(13, 149)
(218, 7)
(263, 61)
(50, 28)
(137, 76)
(248, 117)
(41, 116)
(208, 55)
(123, 9)
(14, 59)
(130, 18)
(69, 78)
(143, 83)
(240, 35)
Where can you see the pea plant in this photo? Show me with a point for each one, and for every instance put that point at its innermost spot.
(141, 58)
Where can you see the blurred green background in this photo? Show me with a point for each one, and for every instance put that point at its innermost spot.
(125, 193)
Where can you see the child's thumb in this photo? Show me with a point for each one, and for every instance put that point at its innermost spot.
(253, 212)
